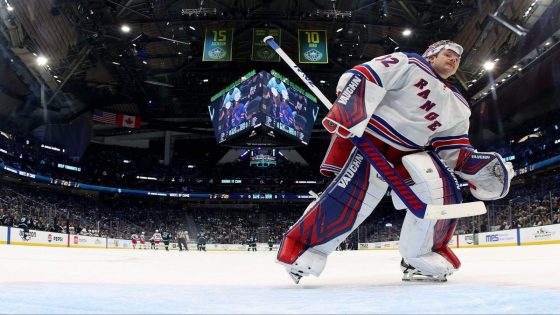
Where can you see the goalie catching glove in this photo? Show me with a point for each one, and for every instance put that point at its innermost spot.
(488, 174)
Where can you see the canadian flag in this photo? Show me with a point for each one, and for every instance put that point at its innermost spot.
(129, 121)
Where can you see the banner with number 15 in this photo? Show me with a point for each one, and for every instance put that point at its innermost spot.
(313, 46)
(217, 44)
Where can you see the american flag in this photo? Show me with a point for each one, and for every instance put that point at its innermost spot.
(104, 117)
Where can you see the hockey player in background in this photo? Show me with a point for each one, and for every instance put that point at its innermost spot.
(183, 239)
(156, 239)
(166, 237)
(270, 243)
(134, 239)
(420, 123)
(143, 240)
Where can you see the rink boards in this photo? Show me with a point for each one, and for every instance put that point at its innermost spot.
(548, 234)
(16, 236)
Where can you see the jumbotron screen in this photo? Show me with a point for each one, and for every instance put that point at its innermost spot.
(266, 100)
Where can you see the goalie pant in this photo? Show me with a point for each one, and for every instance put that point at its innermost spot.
(351, 198)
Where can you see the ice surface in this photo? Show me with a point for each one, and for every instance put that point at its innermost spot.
(502, 280)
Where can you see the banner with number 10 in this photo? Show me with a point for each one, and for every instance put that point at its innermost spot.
(313, 46)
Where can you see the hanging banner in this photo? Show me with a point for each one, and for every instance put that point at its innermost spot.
(313, 46)
(217, 44)
(261, 51)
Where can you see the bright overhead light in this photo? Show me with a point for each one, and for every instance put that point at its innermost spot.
(407, 32)
(179, 53)
(339, 30)
(489, 65)
(10, 8)
(547, 43)
(192, 28)
(515, 66)
(115, 63)
(125, 28)
(204, 80)
(322, 81)
(144, 62)
(42, 60)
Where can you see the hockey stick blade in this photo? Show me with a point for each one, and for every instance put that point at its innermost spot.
(461, 210)
(382, 166)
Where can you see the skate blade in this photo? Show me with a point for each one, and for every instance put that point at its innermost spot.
(424, 279)
(295, 277)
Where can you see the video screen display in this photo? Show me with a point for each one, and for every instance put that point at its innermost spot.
(287, 110)
(263, 99)
(237, 110)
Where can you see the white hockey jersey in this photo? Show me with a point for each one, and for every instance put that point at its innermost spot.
(419, 107)
(157, 236)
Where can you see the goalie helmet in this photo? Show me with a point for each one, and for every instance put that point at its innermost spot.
(438, 46)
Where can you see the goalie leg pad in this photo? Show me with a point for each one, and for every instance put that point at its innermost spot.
(423, 242)
(344, 205)
(433, 181)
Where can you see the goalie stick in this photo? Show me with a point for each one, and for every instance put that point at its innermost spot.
(382, 166)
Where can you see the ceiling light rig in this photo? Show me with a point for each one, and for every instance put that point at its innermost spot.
(199, 12)
(42, 60)
(489, 65)
(333, 13)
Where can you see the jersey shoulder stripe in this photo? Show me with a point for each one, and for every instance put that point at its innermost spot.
(422, 63)
(369, 73)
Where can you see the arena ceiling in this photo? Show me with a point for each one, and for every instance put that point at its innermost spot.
(156, 70)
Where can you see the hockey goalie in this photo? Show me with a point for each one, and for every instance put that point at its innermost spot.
(404, 105)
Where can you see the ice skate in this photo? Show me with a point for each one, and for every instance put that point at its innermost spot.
(311, 262)
(296, 277)
(412, 274)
